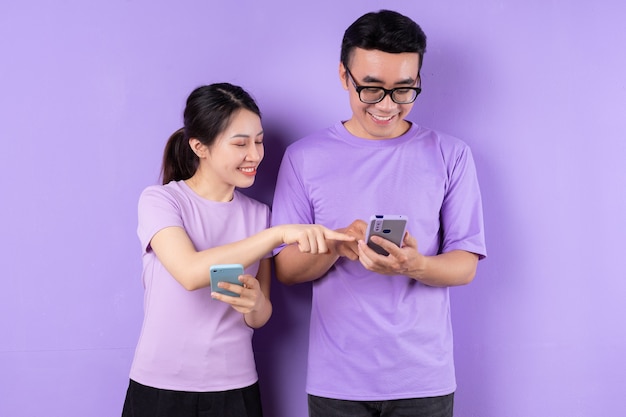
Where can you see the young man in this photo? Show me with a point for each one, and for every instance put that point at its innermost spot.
(380, 332)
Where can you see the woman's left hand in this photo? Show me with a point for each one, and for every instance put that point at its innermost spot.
(250, 299)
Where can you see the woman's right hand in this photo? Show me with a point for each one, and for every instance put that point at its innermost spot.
(312, 238)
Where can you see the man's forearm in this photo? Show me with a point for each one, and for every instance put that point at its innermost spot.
(293, 266)
(446, 270)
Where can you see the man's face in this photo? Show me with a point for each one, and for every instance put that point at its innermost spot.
(375, 68)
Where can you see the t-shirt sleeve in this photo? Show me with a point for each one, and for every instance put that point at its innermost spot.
(291, 204)
(462, 211)
(157, 209)
(268, 218)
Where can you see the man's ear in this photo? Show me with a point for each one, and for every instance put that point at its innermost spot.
(343, 76)
(198, 147)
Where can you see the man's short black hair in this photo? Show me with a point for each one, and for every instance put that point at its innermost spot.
(386, 31)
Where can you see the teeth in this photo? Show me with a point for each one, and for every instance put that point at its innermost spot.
(381, 118)
(247, 169)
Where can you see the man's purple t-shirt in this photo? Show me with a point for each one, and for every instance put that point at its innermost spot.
(189, 341)
(377, 337)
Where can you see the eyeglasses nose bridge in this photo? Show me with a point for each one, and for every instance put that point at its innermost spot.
(386, 93)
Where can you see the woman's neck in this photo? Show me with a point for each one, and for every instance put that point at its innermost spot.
(208, 189)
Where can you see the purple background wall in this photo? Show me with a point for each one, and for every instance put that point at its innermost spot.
(89, 92)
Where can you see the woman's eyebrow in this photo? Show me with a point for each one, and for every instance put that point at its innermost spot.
(243, 135)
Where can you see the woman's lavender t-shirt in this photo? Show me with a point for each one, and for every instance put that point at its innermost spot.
(377, 337)
(189, 341)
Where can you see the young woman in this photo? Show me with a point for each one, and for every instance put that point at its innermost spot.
(194, 356)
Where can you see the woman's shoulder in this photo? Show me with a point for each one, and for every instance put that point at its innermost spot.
(250, 202)
(173, 191)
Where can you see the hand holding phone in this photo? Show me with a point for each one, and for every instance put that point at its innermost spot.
(390, 226)
(226, 273)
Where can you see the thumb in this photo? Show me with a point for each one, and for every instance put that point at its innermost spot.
(247, 280)
(409, 241)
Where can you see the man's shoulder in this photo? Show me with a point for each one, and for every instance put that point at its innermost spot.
(314, 142)
(443, 139)
(313, 138)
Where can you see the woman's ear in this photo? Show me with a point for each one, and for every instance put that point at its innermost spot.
(198, 147)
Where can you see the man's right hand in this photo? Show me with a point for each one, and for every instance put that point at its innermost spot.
(349, 249)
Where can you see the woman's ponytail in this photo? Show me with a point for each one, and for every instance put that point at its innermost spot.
(179, 161)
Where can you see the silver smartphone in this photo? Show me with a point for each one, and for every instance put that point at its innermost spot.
(228, 273)
(388, 226)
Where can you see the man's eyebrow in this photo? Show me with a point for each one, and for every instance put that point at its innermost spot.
(370, 79)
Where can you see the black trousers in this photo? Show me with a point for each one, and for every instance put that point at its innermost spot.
(144, 401)
(411, 407)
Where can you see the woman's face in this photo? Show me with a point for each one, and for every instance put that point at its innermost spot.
(233, 159)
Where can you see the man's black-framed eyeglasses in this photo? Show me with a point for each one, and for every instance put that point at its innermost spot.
(373, 95)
